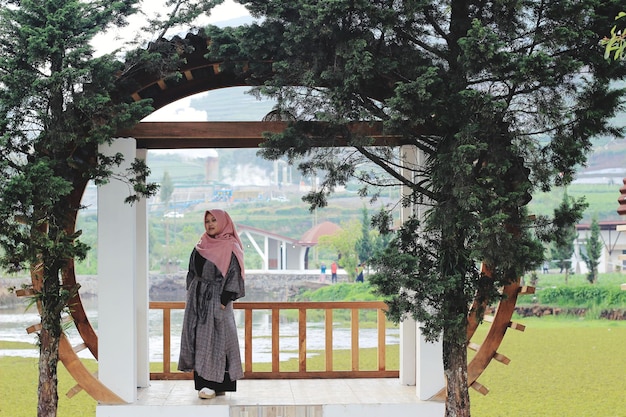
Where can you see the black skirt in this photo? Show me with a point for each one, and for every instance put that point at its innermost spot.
(225, 386)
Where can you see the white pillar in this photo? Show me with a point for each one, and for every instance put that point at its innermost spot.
(408, 327)
(429, 367)
(117, 269)
(421, 362)
(143, 288)
(408, 354)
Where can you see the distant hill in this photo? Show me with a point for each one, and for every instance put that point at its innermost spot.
(606, 156)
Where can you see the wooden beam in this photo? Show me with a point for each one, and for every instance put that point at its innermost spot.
(189, 135)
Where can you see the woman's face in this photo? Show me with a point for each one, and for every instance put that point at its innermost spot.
(210, 224)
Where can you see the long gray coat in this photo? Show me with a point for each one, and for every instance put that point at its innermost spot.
(209, 335)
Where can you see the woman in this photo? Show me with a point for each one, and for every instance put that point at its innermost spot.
(209, 343)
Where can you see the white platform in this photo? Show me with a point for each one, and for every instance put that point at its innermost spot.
(280, 398)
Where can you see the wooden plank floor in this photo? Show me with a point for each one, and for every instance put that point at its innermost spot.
(281, 398)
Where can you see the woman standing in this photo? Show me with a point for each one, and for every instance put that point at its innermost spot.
(209, 344)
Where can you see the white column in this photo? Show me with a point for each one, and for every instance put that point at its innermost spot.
(143, 288)
(408, 354)
(117, 269)
(421, 362)
(408, 328)
(429, 367)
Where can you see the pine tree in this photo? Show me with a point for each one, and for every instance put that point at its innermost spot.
(501, 98)
(565, 232)
(364, 246)
(58, 103)
(593, 251)
(166, 190)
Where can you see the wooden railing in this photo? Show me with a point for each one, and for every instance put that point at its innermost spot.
(302, 307)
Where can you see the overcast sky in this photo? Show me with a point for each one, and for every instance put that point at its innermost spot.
(110, 41)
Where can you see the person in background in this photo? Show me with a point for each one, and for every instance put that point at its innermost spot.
(323, 272)
(333, 272)
(209, 344)
(359, 272)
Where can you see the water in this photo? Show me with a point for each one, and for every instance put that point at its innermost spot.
(14, 321)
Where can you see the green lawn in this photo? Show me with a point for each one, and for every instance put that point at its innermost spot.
(559, 367)
(18, 390)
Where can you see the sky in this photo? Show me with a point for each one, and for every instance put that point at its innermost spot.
(109, 41)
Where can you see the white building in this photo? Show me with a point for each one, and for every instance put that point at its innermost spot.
(614, 244)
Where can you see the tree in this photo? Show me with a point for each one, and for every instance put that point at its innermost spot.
(166, 190)
(498, 97)
(58, 102)
(364, 245)
(384, 221)
(344, 243)
(593, 251)
(565, 233)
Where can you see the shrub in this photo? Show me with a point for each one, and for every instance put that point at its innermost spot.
(583, 296)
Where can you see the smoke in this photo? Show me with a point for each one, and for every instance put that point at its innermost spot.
(247, 174)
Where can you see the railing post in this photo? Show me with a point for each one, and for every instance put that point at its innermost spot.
(167, 342)
(328, 345)
(354, 325)
(248, 340)
(302, 339)
(382, 338)
(275, 340)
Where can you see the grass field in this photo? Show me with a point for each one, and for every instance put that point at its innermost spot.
(559, 367)
(565, 367)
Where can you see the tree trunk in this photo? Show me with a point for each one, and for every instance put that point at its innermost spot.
(49, 337)
(455, 372)
(48, 360)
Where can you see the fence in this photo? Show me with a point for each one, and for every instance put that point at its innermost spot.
(355, 308)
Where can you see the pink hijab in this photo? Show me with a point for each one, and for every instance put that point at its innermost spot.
(218, 249)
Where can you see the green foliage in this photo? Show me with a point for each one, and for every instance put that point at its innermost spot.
(566, 216)
(583, 296)
(56, 108)
(166, 189)
(340, 292)
(344, 243)
(492, 125)
(58, 104)
(593, 251)
(601, 200)
(478, 168)
(364, 246)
